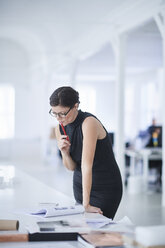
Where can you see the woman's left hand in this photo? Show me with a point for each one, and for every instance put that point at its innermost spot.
(92, 209)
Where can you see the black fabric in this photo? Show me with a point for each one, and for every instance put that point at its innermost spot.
(106, 191)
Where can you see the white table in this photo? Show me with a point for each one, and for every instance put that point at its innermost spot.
(26, 192)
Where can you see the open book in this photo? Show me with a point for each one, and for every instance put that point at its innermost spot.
(58, 211)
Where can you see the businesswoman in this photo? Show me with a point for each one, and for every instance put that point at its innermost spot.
(86, 149)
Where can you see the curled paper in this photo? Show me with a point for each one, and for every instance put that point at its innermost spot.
(6, 225)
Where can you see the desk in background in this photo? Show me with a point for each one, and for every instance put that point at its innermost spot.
(145, 154)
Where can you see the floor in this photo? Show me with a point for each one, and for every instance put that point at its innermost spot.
(141, 208)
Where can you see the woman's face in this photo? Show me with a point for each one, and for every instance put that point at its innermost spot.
(65, 115)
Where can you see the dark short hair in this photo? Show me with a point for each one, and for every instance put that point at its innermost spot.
(65, 96)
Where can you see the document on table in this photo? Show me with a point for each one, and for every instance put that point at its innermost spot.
(57, 211)
(99, 222)
(124, 225)
(74, 225)
(81, 224)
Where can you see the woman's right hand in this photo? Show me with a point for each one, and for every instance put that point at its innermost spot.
(64, 144)
(92, 209)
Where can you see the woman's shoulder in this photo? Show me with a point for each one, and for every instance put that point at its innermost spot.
(90, 120)
(87, 114)
(81, 117)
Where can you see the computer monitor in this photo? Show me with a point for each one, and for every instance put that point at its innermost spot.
(150, 143)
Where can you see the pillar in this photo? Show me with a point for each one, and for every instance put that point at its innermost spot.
(119, 49)
(160, 21)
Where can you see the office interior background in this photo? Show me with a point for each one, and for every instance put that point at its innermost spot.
(112, 52)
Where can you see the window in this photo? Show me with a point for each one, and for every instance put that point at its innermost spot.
(7, 111)
(140, 107)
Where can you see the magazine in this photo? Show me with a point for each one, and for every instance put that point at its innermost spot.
(75, 225)
(101, 239)
(79, 225)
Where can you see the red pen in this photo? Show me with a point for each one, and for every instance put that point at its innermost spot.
(63, 129)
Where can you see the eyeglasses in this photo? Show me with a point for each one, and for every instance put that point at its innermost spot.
(60, 115)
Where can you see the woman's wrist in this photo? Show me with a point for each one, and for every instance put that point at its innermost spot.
(85, 205)
(65, 154)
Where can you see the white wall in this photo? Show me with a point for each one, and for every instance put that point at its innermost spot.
(29, 100)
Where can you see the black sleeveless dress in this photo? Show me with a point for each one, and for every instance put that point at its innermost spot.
(106, 191)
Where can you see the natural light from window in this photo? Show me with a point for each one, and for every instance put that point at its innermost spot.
(7, 111)
(87, 99)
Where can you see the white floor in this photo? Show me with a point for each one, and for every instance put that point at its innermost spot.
(142, 208)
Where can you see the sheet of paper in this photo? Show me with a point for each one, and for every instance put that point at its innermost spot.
(58, 211)
(124, 225)
(51, 211)
(99, 222)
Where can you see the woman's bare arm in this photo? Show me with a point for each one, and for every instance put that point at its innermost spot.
(91, 132)
(64, 147)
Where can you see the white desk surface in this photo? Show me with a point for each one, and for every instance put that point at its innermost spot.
(153, 151)
(26, 192)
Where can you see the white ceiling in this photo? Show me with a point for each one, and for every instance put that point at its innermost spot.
(55, 33)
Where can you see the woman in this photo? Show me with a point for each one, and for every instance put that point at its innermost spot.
(86, 149)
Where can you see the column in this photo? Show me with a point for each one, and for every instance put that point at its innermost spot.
(160, 20)
(119, 48)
